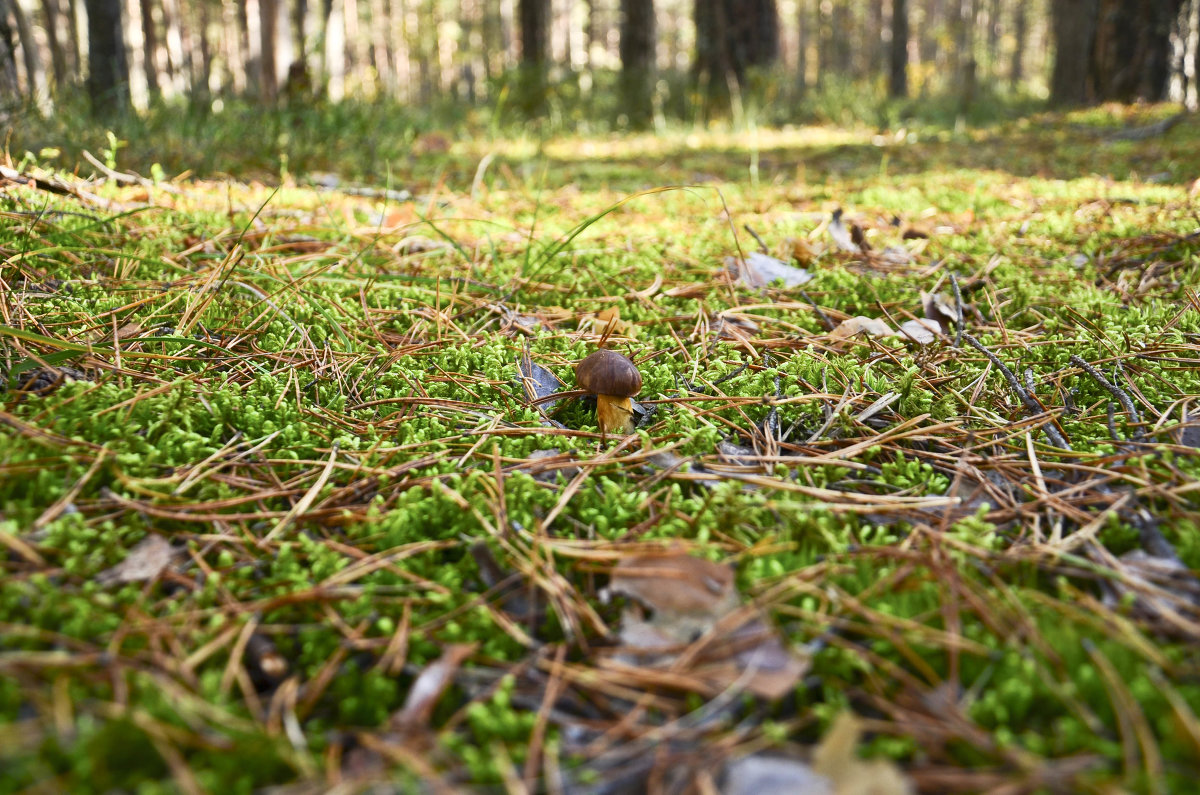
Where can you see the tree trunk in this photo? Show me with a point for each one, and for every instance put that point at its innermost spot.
(1073, 24)
(173, 25)
(9, 88)
(1016, 71)
(1132, 55)
(108, 70)
(734, 35)
(898, 60)
(841, 52)
(637, 61)
(804, 22)
(58, 58)
(35, 72)
(150, 50)
(533, 17)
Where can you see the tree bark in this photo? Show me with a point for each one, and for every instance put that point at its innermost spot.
(108, 69)
(58, 58)
(1131, 59)
(804, 24)
(35, 72)
(9, 88)
(898, 60)
(1073, 24)
(533, 18)
(734, 35)
(637, 61)
(150, 50)
(1016, 71)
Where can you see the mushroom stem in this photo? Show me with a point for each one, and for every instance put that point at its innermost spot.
(614, 414)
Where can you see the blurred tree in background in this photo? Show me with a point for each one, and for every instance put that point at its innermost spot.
(617, 62)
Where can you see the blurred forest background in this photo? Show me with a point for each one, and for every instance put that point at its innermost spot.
(612, 63)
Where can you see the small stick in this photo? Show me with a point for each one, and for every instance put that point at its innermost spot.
(958, 305)
(1031, 405)
(825, 319)
(754, 235)
(1117, 392)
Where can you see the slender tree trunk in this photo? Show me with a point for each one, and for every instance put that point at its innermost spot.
(150, 50)
(733, 35)
(898, 55)
(73, 24)
(804, 22)
(249, 20)
(993, 38)
(637, 61)
(840, 46)
(591, 30)
(534, 21)
(300, 28)
(1016, 70)
(173, 24)
(1074, 29)
(108, 71)
(10, 93)
(35, 72)
(202, 79)
(58, 57)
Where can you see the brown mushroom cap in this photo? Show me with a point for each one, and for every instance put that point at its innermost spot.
(608, 373)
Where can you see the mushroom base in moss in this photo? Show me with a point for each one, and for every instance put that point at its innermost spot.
(614, 414)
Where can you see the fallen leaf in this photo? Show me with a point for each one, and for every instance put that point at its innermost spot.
(537, 381)
(1187, 433)
(145, 562)
(735, 327)
(606, 321)
(417, 244)
(859, 325)
(736, 454)
(841, 235)
(921, 331)
(676, 584)
(801, 250)
(941, 309)
(131, 329)
(835, 759)
(761, 270)
(698, 617)
(689, 290)
(759, 774)
(544, 465)
(428, 687)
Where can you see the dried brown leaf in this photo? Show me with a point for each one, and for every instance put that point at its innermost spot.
(921, 331)
(676, 584)
(761, 270)
(861, 325)
(842, 237)
(941, 309)
(835, 758)
(145, 562)
(429, 687)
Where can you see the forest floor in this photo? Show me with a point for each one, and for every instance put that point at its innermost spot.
(286, 500)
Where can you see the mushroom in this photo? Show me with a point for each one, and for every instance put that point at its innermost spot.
(613, 379)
